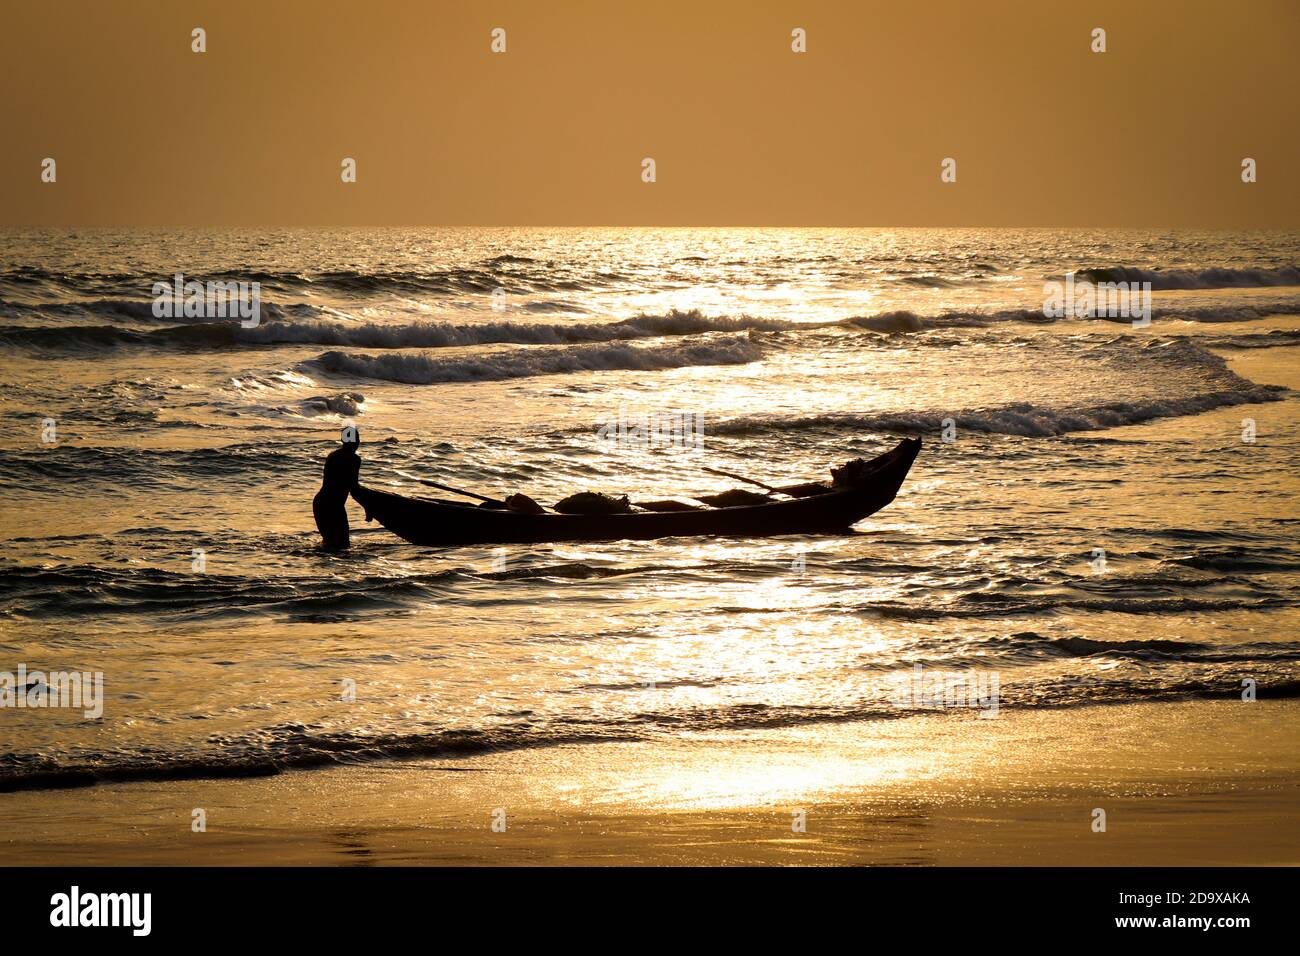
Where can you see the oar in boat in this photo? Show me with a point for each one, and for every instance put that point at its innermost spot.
(748, 481)
(805, 489)
(455, 491)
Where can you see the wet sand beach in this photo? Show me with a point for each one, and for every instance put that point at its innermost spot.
(1199, 783)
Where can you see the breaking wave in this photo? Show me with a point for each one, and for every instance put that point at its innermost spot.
(303, 324)
(510, 273)
(1215, 278)
(1273, 338)
(1018, 418)
(422, 369)
(1213, 386)
(378, 335)
(285, 747)
(445, 334)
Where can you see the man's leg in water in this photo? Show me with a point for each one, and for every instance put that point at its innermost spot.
(331, 520)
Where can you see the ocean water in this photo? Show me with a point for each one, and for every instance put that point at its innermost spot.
(1097, 531)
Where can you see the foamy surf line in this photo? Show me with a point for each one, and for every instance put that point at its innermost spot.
(1207, 383)
(391, 335)
(445, 335)
(1210, 278)
(309, 329)
(1273, 338)
(1212, 385)
(422, 369)
(907, 321)
(1023, 419)
(138, 310)
(514, 273)
(279, 750)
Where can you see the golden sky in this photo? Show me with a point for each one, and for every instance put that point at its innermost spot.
(743, 131)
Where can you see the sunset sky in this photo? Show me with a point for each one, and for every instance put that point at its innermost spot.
(743, 130)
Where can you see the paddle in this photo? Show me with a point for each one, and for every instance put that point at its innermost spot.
(454, 491)
(748, 481)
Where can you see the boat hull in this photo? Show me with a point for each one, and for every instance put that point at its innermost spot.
(439, 523)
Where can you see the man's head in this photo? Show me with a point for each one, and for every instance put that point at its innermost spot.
(351, 437)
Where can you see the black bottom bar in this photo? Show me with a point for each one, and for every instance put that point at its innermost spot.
(932, 906)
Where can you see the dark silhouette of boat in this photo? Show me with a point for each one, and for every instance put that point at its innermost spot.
(436, 523)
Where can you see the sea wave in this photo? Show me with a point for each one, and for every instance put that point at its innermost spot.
(380, 335)
(93, 338)
(513, 274)
(445, 334)
(83, 590)
(909, 321)
(121, 470)
(981, 605)
(306, 324)
(1018, 418)
(1210, 384)
(292, 746)
(1212, 278)
(139, 311)
(1273, 338)
(50, 592)
(1030, 647)
(420, 369)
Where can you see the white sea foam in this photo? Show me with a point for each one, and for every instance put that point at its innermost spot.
(447, 334)
(421, 369)
(1020, 418)
(1211, 278)
(1193, 380)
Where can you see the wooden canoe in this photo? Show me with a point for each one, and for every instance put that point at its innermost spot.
(438, 523)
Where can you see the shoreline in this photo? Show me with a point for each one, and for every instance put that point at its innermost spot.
(1181, 783)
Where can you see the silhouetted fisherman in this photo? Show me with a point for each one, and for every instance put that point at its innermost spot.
(342, 469)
